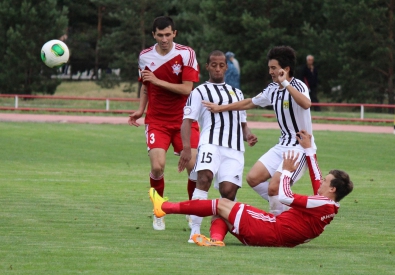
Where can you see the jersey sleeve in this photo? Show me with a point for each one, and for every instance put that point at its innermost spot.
(191, 67)
(142, 66)
(243, 114)
(314, 169)
(301, 87)
(262, 99)
(301, 202)
(193, 105)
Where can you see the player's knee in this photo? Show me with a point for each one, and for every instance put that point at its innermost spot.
(252, 180)
(228, 191)
(157, 170)
(204, 181)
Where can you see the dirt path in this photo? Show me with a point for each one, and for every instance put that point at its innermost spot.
(123, 120)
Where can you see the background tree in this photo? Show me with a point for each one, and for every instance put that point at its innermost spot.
(131, 35)
(24, 27)
(357, 46)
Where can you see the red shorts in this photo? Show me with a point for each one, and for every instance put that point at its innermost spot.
(162, 135)
(253, 226)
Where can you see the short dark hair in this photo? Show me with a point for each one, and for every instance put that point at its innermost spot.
(285, 56)
(215, 53)
(342, 182)
(162, 22)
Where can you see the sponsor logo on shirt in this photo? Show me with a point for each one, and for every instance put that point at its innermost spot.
(327, 216)
(176, 68)
(152, 64)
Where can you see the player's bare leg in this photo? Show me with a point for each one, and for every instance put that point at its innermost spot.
(257, 178)
(158, 160)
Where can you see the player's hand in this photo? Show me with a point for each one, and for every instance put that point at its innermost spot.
(149, 76)
(304, 139)
(212, 107)
(282, 75)
(133, 117)
(252, 139)
(290, 161)
(185, 157)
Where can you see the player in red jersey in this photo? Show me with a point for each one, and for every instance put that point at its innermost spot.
(167, 71)
(305, 220)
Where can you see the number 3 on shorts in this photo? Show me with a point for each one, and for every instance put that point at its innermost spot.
(152, 138)
(206, 158)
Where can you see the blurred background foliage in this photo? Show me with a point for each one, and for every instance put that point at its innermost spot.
(352, 40)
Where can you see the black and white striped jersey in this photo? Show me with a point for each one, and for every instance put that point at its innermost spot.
(223, 129)
(290, 116)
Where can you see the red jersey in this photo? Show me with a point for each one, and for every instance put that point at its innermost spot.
(305, 220)
(178, 65)
(308, 215)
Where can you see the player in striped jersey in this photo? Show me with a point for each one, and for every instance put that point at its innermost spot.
(291, 103)
(221, 145)
(167, 71)
(304, 221)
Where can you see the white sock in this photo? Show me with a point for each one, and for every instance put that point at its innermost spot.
(276, 207)
(262, 190)
(196, 220)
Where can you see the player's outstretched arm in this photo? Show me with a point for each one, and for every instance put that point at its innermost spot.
(304, 140)
(133, 117)
(290, 164)
(244, 104)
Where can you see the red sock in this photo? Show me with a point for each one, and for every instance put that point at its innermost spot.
(191, 187)
(218, 229)
(201, 208)
(157, 183)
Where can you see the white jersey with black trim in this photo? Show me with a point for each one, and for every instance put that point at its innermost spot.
(223, 129)
(291, 117)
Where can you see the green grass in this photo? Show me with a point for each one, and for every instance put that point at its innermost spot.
(74, 201)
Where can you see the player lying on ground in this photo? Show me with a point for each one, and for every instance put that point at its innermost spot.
(305, 220)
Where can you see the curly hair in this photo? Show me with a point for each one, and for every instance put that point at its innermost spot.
(285, 56)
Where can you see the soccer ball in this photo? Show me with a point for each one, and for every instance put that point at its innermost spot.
(55, 53)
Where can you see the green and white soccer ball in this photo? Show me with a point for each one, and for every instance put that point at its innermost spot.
(55, 53)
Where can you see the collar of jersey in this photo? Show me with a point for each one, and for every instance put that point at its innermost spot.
(164, 56)
(208, 82)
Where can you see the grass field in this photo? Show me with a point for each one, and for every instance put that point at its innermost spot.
(74, 201)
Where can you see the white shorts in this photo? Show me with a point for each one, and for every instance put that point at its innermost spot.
(225, 163)
(273, 160)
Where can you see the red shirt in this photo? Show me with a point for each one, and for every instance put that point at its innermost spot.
(308, 215)
(178, 65)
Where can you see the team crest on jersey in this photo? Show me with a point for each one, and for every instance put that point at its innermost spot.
(176, 68)
(232, 93)
(286, 104)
